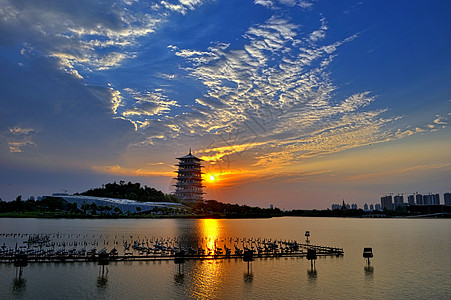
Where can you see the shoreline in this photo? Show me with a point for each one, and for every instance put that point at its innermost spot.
(67, 216)
(51, 215)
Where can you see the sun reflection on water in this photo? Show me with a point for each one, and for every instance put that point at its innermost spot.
(210, 232)
(209, 273)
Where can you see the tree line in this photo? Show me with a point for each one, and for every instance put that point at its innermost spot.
(219, 209)
(31, 205)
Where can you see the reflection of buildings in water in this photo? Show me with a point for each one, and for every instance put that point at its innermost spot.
(369, 270)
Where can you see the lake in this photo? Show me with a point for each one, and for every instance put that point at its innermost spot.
(412, 259)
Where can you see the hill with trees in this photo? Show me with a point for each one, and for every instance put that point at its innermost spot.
(132, 191)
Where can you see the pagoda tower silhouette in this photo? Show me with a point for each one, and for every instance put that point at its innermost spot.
(188, 188)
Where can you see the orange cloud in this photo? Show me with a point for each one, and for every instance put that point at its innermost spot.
(220, 152)
(118, 170)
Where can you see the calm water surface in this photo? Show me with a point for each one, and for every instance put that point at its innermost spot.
(412, 259)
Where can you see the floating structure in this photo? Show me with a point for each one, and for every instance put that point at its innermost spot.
(188, 187)
(368, 253)
(248, 256)
(61, 248)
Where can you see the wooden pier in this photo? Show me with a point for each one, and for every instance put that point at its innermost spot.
(42, 248)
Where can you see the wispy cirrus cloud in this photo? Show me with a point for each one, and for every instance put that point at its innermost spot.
(273, 99)
(148, 104)
(182, 6)
(19, 137)
(78, 33)
(82, 35)
(274, 4)
(269, 98)
(56, 55)
(277, 73)
(319, 33)
(118, 170)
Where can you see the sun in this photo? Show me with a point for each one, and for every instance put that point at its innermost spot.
(211, 178)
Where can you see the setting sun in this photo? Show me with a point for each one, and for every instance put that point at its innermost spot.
(211, 178)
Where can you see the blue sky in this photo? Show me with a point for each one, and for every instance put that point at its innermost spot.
(296, 103)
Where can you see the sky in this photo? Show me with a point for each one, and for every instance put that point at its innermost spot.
(295, 103)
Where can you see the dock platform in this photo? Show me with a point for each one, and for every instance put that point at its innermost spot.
(47, 248)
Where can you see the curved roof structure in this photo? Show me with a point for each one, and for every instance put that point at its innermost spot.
(125, 205)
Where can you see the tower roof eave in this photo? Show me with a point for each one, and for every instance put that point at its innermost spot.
(188, 156)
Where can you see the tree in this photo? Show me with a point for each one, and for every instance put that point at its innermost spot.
(93, 208)
(18, 203)
(73, 207)
(84, 207)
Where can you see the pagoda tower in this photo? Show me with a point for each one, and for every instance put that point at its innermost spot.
(189, 186)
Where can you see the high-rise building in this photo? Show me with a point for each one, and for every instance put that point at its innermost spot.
(419, 199)
(411, 199)
(431, 199)
(387, 202)
(371, 207)
(189, 186)
(377, 207)
(365, 207)
(436, 199)
(398, 201)
(354, 206)
(427, 199)
(447, 197)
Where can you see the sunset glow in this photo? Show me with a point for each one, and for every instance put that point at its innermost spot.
(305, 104)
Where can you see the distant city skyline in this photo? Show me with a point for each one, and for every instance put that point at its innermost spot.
(295, 103)
(391, 201)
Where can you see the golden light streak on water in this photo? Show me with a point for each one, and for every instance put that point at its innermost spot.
(210, 273)
(210, 231)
